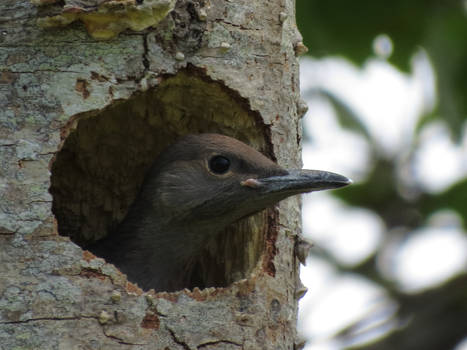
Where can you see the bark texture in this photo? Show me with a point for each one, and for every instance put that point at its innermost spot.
(80, 122)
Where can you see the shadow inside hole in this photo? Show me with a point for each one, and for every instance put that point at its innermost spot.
(99, 169)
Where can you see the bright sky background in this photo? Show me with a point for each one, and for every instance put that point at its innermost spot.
(389, 103)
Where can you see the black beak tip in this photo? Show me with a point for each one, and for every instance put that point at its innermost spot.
(340, 181)
(317, 180)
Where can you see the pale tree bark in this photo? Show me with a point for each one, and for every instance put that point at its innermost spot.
(90, 92)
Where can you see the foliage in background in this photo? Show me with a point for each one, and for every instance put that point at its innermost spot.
(348, 28)
(437, 318)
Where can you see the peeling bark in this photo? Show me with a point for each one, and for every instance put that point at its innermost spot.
(84, 118)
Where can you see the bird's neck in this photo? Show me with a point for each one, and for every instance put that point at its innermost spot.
(154, 253)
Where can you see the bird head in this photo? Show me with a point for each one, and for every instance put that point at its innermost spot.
(213, 180)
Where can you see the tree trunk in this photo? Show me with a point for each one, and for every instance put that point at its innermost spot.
(91, 91)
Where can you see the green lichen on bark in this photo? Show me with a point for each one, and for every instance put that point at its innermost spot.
(109, 18)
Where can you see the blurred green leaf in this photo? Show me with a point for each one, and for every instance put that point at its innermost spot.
(347, 117)
(348, 28)
(454, 198)
(381, 195)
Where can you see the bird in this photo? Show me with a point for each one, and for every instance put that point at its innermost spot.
(193, 190)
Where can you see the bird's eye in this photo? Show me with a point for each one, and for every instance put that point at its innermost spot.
(219, 164)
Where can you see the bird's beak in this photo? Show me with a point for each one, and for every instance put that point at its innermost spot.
(298, 181)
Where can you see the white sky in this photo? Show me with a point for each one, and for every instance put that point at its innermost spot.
(389, 103)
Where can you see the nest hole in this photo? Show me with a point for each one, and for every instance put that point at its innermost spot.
(100, 167)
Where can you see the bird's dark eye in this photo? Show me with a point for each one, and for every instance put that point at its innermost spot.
(219, 164)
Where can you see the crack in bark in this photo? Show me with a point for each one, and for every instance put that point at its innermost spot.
(39, 201)
(8, 233)
(47, 153)
(253, 55)
(119, 340)
(176, 340)
(153, 309)
(71, 318)
(219, 342)
(221, 20)
(45, 70)
(145, 53)
(48, 319)
(29, 220)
